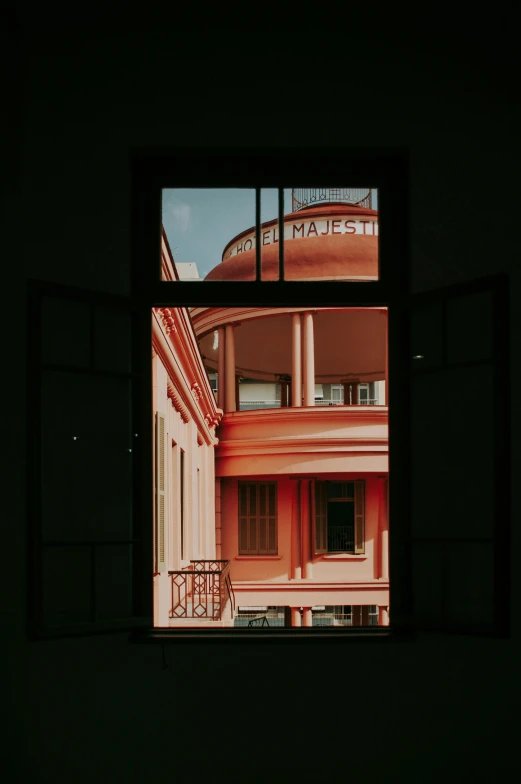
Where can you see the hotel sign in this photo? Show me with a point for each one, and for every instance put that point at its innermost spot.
(302, 230)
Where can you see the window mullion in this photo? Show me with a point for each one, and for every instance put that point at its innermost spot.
(281, 234)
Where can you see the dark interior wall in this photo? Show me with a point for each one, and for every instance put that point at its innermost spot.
(99, 709)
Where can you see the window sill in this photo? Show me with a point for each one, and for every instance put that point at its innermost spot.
(343, 557)
(258, 557)
(374, 634)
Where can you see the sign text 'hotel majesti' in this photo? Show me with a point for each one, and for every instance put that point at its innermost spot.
(300, 230)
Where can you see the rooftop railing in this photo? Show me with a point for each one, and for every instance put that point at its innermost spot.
(308, 197)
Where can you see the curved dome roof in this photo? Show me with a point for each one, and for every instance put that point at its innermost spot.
(326, 251)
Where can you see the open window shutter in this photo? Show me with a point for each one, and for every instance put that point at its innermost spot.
(359, 516)
(89, 532)
(159, 523)
(459, 525)
(320, 516)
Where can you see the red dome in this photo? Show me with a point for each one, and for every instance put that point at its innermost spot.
(332, 256)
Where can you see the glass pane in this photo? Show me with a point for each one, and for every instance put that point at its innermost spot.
(427, 576)
(427, 336)
(453, 463)
(65, 332)
(210, 234)
(469, 328)
(113, 575)
(86, 457)
(111, 340)
(470, 590)
(67, 594)
(331, 234)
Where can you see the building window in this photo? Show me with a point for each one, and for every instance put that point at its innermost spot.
(367, 394)
(339, 517)
(257, 518)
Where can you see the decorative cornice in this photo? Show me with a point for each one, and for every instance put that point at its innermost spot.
(168, 321)
(177, 401)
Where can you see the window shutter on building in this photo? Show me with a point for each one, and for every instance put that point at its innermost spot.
(86, 501)
(159, 527)
(359, 516)
(257, 518)
(320, 516)
(458, 541)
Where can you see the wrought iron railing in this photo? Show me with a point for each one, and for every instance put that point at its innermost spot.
(308, 197)
(340, 538)
(202, 590)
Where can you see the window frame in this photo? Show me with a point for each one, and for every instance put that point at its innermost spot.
(388, 171)
(385, 170)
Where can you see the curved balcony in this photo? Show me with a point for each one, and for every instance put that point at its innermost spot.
(295, 350)
(303, 440)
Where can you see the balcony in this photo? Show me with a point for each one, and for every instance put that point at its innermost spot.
(202, 591)
(303, 440)
(255, 405)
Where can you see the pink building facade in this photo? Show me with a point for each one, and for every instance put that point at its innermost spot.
(280, 505)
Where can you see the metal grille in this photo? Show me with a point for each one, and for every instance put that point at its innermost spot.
(340, 538)
(307, 197)
(202, 590)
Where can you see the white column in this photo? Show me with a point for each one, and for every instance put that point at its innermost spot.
(383, 616)
(296, 360)
(309, 361)
(220, 369)
(229, 388)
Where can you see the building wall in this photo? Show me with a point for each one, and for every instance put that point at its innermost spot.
(336, 578)
(183, 434)
(435, 707)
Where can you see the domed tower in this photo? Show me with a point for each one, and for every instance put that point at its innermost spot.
(330, 234)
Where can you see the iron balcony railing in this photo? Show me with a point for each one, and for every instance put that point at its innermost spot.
(202, 590)
(308, 197)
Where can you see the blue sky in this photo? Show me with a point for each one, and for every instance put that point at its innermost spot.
(200, 222)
